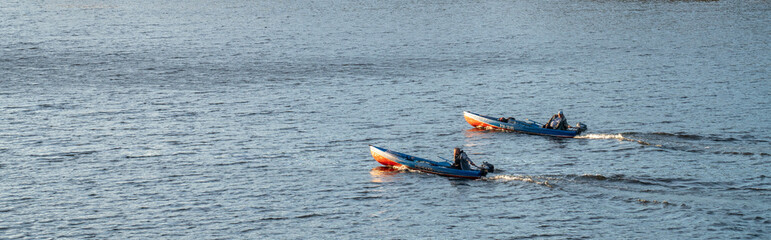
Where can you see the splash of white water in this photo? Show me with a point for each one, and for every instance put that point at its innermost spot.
(601, 136)
(508, 178)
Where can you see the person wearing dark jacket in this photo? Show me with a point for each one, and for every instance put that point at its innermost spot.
(558, 121)
(461, 160)
(506, 119)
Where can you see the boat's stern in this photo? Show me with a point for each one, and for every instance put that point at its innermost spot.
(581, 127)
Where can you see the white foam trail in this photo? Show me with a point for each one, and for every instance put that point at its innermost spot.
(508, 178)
(601, 136)
(401, 168)
(612, 136)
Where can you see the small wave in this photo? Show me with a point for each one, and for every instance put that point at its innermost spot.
(362, 198)
(85, 6)
(665, 203)
(508, 178)
(58, 106)
(274, 156)
(668, 182)
(231, 163)
(273, 218)
(444, 134)
(595, 177)
(679, 135)
(542, 236)
(65, 154)
(753, 189)
(351, 140)
(311, 215)
(148, 155)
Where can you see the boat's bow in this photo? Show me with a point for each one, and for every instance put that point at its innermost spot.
(478, 121)
(382, 156)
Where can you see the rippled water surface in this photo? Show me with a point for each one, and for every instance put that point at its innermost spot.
(252, 119)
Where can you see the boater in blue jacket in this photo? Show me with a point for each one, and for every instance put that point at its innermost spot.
(558, 121)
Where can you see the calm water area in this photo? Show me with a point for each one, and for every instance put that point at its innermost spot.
(252, 119)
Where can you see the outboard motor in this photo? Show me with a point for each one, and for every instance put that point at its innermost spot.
(581, 127)
(487, 167)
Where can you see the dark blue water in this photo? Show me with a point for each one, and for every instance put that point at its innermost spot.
(252, 119)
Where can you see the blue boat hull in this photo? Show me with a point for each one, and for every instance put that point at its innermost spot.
(531, 127)
(424, 165)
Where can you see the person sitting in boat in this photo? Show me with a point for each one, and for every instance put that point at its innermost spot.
(558, 121)
(461, 160)
(505, 119)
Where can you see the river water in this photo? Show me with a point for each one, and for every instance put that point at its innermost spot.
(252, 119)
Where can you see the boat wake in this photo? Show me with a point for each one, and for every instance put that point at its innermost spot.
(529, 179)
(600, 136)
(690, 142)
(617, 136)
(620, 178)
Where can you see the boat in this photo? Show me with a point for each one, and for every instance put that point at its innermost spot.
(526, 126)
(443, 168)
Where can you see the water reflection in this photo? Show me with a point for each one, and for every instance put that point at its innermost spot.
(474, 135)
(383, 174)
(474, 131)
